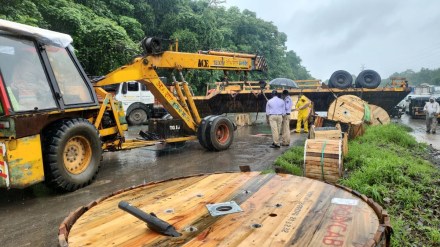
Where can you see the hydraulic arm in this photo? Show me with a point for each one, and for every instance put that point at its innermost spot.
(143, 69)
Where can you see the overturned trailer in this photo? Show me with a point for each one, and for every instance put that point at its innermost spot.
(248, 97)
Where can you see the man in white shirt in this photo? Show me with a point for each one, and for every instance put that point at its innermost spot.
(432, 109)
(275, 109)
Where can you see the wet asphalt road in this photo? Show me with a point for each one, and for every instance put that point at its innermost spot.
(419, 130)
(31, 217)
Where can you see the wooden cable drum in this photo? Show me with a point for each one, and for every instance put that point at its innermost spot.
(379, 116)
(323, 159)
(243, 119)
(347, 109)
(269, 210)
(330, 133)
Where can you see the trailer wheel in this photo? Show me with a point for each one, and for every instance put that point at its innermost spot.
(221, 133)
(340, 79)
(201, 131)
(72, 153)
(368, 79)
(137, 114)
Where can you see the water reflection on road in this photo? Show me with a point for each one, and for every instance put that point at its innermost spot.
(419, 130)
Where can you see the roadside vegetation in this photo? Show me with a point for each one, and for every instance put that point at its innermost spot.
(390, 166)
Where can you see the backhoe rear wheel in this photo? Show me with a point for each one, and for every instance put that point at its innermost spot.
(72, 153)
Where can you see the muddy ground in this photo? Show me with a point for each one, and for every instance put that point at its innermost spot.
(31, 217)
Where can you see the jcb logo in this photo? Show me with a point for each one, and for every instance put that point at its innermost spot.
(203, 63)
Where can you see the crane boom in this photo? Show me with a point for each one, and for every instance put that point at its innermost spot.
(143, 69)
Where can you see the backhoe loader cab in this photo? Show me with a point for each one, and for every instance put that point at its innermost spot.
(45, 100)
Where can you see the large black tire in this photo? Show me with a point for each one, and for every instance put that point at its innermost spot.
(368, 79)
(340, 79)
(71, 154)
(201, 131)
(137, 114)
(221, 133)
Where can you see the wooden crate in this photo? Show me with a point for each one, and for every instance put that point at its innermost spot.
(345, 143)
(319, 121)
(323, 159)
(330, 133)
(356, 129)
(327, 133)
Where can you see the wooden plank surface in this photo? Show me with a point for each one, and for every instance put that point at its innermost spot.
(278, 210)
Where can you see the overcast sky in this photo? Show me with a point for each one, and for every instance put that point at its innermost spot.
(384, 35)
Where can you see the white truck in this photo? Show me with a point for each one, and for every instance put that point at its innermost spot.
(138, 102)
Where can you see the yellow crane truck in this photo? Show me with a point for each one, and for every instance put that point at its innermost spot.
(55, 123)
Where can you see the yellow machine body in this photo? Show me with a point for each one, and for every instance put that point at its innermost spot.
(21, 162)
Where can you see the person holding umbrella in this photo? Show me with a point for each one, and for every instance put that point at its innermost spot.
(285, 139)
(275, 109)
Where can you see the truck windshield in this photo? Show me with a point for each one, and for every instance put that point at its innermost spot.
(23, 75)
(72, 85)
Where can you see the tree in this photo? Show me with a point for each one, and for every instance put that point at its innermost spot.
(22, 11)
(105, 32)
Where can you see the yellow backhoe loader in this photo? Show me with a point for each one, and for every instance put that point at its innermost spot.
(55, 123)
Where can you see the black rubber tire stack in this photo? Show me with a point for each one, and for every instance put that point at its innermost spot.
(340, 79)
(368, 79)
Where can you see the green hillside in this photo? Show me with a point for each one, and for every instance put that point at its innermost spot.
(106, 33)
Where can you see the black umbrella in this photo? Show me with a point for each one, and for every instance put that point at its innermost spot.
(283, 82)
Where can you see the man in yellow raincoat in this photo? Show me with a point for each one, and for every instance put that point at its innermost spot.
(303, 108)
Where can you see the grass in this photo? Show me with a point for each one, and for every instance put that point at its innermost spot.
(390, 166)
(292, 160)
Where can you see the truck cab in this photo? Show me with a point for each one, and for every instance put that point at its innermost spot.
(138, 102)
(417, 103)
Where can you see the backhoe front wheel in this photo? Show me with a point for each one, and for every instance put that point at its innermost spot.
(72, 154)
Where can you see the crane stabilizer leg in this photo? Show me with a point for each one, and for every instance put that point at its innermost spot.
(190, 99)
(171, 104)
(180, 94)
